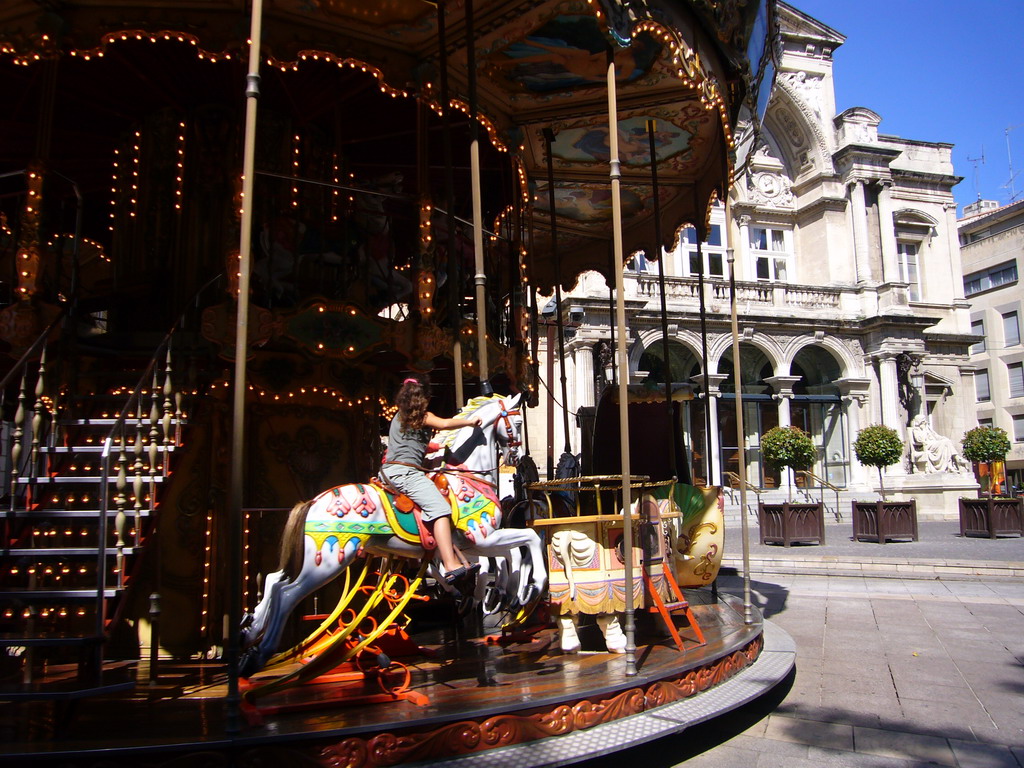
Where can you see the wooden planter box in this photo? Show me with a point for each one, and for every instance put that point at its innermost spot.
(991, 517)
(787, 523)
(884, 521)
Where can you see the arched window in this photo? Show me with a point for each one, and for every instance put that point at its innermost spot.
(682, 363)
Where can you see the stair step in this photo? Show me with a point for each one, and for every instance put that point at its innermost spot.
(66, 692)
(109, 421)
(44, 514)
(8, 640)
(95, 448)
(79, 479)
(677, 606)
(55, 594)
(64, 551)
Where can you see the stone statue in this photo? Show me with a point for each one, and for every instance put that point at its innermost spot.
(931, 452)
(909, 397)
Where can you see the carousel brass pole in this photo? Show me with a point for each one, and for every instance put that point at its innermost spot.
(669, 410)
(620, 322)
(252, 92)
(454, 268)
(741, 456)
(480, 278)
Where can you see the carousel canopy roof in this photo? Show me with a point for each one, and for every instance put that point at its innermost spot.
(541, 65)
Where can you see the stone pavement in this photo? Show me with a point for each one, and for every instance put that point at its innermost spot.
(895, 668)
(940, 552)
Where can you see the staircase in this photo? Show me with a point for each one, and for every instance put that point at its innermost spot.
(84, 479)
(777, 496)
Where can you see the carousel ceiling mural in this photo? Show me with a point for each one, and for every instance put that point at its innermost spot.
(540, 65)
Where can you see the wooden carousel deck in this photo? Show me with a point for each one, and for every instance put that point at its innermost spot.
(465, 695)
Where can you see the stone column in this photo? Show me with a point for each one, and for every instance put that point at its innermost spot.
(854, 394)
(582, 350)
(859, 213)
(570, 404)
(742, 257)
(783, 386)
(714, 446)
(887, 233)
(889, 382)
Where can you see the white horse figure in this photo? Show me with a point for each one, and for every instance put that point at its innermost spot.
(322, 537)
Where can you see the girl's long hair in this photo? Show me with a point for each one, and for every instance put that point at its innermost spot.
(412, 401)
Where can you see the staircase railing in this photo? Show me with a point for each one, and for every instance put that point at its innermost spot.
(823, 484)
(38, 406)
(147, 425)
(736, 482)
(152, 435)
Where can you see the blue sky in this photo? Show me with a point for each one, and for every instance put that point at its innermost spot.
(938, 71)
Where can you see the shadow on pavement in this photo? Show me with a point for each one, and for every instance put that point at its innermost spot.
(770, 598)
(672, 750)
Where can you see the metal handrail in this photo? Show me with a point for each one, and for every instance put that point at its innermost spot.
(822, 481)
(734, 478)
(824, 484)
(595, 484)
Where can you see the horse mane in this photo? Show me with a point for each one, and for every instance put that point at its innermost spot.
(447, 437)
(293, 540)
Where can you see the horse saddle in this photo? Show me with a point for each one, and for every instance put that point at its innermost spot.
(405, 515)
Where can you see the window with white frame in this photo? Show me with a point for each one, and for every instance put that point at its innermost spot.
(1018, 429)
(985, 423)
(906, 260)
(712, 249)
(1015, 374)
(981, 386)
(769, 251)
(978, 329)
(1011, 329)
(638, 263)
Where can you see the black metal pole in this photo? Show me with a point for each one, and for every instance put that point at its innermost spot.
(549, 139)
(669, 411)
(704, 358)
(612, 266)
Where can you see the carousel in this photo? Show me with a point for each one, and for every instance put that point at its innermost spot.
(228, 234)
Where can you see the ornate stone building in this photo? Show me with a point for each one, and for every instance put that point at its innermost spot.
(849, 290)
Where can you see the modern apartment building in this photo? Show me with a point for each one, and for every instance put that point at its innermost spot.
(992, 251)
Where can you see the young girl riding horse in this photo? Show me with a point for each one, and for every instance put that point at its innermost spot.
(410, 432)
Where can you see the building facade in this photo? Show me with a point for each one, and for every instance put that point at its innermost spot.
(849, 294)
(992, 250)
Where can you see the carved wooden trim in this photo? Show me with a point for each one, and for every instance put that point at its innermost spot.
(469, 736)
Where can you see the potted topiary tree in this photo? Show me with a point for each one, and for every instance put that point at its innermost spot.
(788, 523)
(992, 516)
(880, 446)
(788, 448)
(986, 445)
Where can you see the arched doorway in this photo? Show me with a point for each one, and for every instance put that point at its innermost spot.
(818, 410)
(760, 413)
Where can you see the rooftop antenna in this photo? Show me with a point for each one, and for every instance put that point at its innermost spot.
(976, 161)
(1009, 160)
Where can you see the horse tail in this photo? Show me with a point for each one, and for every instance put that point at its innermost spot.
(293, 546)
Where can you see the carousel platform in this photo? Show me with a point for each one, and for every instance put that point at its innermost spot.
(509, 701)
